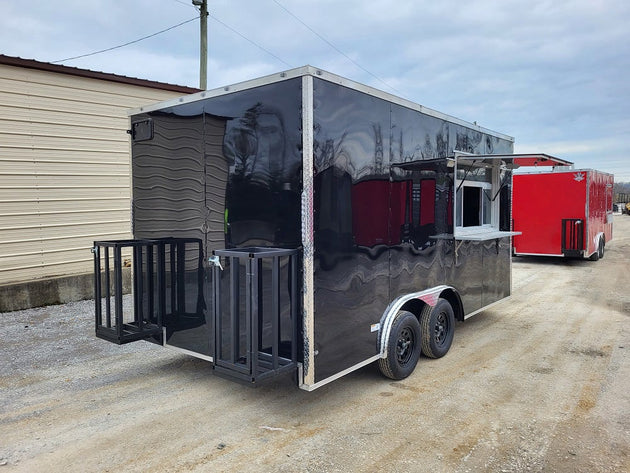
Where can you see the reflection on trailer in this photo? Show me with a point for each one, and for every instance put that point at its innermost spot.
(376, 214)
(303, 223)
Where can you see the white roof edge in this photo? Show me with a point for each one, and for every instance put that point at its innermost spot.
(544, 156)
(227, 89)
(308, 70)
(560, 170)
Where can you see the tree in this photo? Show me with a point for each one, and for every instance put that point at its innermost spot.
(621, 191)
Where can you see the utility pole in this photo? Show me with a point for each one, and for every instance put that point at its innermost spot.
(203, 43)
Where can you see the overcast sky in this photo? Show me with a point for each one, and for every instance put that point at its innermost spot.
(553, 74)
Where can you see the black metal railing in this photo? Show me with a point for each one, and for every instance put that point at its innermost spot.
(572, 237)
(256, 321)
(158, 286)
(254, 300)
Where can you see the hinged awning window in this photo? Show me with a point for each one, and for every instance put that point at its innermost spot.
(511, 160)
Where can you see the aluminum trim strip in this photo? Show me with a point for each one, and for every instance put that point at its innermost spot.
(227, 89)
(486, 307)
(319, 384)
(308, 244)
(189, 352)
(183, 350)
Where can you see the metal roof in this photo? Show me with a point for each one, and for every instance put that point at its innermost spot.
(75, 71)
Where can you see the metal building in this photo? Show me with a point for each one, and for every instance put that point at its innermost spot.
(64, 174)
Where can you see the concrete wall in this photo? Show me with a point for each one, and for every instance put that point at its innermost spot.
(51, 291)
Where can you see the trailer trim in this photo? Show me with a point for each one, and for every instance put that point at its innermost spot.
(466, 317)
(340, 374)
(538, 254)
(428, 296)
(185, 351)
(307, 374)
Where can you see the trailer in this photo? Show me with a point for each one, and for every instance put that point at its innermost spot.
(563, 212)
(303, 223)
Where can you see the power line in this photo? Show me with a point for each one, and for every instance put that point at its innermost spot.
(240, 34)
(249, 40)
(187, 4)
(127, 44)
(335, 47)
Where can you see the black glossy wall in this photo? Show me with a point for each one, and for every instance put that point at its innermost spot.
(225, 171)
(383, 192)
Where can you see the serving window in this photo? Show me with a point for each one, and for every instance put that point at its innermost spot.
(483, 201)
(478, 184)
(474, 206)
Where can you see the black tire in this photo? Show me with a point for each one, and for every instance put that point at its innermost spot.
(438, 328)
(599, 252)
(602, 246)
(403, 347)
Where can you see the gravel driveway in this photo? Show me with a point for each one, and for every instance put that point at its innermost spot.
(540, 382)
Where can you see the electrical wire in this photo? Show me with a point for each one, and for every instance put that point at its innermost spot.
(249, 40)
(336, 48)
(187, 4)
(127, 44)
(239, 34)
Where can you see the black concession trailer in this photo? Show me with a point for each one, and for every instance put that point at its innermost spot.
(306, 223)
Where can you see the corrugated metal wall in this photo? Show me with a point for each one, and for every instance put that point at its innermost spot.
(64, 169)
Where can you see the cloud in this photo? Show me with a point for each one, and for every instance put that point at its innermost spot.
(551, 74)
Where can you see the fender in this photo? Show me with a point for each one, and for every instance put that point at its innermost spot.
(428, 296)
(596, 240)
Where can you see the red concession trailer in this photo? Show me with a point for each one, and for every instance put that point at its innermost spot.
(563, 212)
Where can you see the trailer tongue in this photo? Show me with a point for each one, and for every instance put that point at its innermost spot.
(303, 223)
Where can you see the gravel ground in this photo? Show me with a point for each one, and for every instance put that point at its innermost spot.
(540, 382)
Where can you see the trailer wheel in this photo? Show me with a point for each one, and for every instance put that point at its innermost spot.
(403, 347)
(438, 327)
(600, 251)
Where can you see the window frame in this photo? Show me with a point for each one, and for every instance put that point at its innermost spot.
(488, 190)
